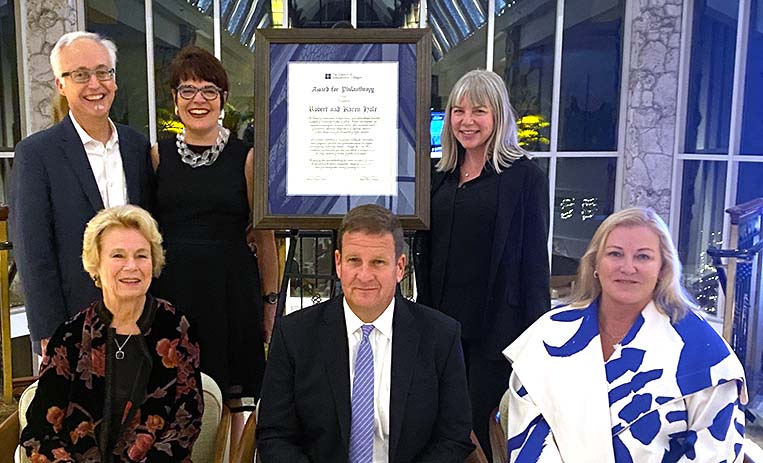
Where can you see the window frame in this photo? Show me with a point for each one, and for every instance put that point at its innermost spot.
(22, 74)
(553, 154)
(733, 158)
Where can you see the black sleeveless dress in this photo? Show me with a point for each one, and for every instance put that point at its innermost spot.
(211, 274)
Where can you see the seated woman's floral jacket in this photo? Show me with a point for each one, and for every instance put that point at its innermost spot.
(69, 418)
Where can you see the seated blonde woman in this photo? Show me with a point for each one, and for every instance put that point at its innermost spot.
(628, 372)
(120, 381)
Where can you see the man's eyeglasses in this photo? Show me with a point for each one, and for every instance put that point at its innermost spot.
(82, 76)
(209, 92)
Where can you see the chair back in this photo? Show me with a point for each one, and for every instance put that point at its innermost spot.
(9, 437)
(497, 437)
(24, 401)
(247, 445)
(477, 455)
(211, 444)
(503, 410)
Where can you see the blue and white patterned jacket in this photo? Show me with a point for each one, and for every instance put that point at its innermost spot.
(669, 392)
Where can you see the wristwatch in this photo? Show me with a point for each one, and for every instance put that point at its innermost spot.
(270, 298)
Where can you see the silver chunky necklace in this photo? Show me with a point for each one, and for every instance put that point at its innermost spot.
(209, 156)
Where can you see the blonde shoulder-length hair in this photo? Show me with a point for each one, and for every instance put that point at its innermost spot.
(130, 217)
(669, 296)
(483, 88)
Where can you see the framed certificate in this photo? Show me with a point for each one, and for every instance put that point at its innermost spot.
(341, 119)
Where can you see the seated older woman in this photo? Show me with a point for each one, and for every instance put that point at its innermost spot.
(120, 381)
(628, 372)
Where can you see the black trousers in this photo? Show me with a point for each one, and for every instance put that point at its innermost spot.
(488, 379)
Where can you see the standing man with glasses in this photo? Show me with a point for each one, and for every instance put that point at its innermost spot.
(64, 175)
(367, 377)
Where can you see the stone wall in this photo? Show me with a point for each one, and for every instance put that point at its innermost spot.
(651, 106)
(46, 21)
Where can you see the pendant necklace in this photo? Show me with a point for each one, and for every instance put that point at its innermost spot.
(119, 354)
(617, 339)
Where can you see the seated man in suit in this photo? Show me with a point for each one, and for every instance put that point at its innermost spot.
(63, 175)
(368, 376)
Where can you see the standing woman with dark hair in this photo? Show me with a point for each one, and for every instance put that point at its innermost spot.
(485, 259)
(203, 204)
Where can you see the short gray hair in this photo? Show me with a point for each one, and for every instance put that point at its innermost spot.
(486, 88)
(70, 37)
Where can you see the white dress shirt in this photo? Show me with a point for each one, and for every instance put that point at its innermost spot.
(106, 163)
(381, 345)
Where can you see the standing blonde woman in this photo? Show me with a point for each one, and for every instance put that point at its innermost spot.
(485, 260)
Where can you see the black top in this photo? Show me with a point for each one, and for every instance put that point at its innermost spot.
(210, 273)
(469, 241)
(125, 370)
(207, 202)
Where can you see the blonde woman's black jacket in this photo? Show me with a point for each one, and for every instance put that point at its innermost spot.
(518, 274)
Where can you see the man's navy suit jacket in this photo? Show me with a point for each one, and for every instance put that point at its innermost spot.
(53, 194)
(305, 405)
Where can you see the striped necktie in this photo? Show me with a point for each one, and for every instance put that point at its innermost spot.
(362, 426)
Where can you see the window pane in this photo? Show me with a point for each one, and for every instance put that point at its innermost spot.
(711, 76)
(591, 65)
(749, 181)
(701, 226)
(5, 171)
(386, 13)
(240, 19)
(238, 60)
(524, 57)
(459, 45)
(174, 29)
(10, 124)
(752, 115)
(580, 206)
(318, 13)
(124, 23)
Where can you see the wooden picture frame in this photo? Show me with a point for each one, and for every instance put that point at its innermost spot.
(284, 195)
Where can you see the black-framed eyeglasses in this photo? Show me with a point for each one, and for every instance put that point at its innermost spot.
(82, 76)
(209, 92)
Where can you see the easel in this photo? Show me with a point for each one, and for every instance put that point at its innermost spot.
(293, 269)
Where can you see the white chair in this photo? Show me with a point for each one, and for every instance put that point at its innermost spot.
(503, 409)
(213, 442)
(24, 401)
